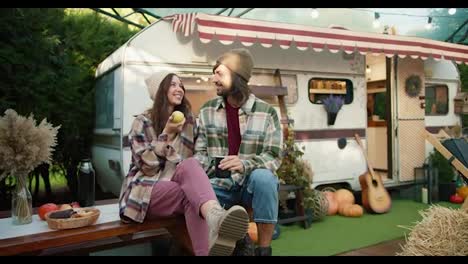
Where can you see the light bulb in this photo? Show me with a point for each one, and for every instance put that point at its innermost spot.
(429, 23)
(314, 13)
(376, 23)
(452, 11)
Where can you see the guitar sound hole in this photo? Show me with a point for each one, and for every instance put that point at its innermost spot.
(375, 183)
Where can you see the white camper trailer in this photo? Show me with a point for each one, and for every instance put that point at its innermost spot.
(393, 88)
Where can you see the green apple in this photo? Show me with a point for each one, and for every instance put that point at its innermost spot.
(177, 117)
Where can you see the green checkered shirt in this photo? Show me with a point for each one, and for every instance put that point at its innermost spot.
(261, 138)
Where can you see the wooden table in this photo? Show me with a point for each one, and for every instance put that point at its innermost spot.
(96, 237)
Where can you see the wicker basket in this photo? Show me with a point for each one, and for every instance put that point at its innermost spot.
(74, 222)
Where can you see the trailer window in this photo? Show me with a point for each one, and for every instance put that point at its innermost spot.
(436, 99)
(105, 101)
(321, 88)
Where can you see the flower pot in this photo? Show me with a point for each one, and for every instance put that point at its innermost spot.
(21, 202)
(331, 118)
(446, 190)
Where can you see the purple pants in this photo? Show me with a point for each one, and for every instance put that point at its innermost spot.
(188, 189)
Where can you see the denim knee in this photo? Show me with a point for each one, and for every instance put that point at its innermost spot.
(262, 189)
(263, 180)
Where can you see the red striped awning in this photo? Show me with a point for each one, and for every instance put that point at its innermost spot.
(248, 31)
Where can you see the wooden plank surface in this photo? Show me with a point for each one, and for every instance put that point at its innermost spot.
(38, 242)
(106, 234)
(447, 154)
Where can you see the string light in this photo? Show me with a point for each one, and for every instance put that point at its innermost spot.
(403, 14)
(368, 70)
(376, 22)
(429, 23)
(314, 13)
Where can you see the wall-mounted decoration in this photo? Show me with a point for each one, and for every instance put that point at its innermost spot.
(413, 85)
(332, 105)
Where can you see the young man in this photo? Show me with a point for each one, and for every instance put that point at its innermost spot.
(246, 131)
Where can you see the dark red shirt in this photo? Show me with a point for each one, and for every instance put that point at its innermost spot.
(234, 136)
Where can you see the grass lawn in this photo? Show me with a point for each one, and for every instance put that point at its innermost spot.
(337, 234)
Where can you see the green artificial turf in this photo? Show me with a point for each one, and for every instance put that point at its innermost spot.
(337, 234)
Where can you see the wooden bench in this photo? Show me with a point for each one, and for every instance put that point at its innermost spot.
(97, 237)
(300, 215)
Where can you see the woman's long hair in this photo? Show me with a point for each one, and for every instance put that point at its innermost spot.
(159, 113)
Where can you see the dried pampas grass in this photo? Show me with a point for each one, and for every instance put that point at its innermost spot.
(442, 232)
(23, 145)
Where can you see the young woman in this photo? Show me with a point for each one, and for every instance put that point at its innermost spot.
(164, 180)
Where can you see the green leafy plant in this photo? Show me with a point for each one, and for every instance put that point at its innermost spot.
(294, 170)
(441, 107)
(446, 171)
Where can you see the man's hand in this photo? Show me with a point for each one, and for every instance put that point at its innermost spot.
(232, 163)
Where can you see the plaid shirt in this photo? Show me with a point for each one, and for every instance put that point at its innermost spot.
(152, 159)
(261, 138)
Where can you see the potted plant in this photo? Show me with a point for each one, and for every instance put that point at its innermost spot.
(447, 184)
(296, 171)
(332, 105)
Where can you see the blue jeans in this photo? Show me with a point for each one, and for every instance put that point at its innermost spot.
(259, 192)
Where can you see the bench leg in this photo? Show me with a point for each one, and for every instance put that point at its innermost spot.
(180, 234)
(300, 207)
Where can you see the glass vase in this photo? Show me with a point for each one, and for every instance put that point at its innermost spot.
(21, 201)
(331, 118)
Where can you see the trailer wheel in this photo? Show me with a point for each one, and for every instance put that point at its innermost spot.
(333, 187)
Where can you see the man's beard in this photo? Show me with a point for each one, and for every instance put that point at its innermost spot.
(223, 92)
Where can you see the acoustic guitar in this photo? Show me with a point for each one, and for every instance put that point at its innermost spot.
(375, 197)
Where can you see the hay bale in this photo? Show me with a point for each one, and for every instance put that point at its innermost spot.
(442, 232)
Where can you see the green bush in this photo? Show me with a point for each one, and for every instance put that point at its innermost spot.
(446, 171)
(48, 59)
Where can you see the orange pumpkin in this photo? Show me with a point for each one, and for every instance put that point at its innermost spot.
(344, 196)
(332, 204)
(351, 210)
(463, 192)
(253, 233)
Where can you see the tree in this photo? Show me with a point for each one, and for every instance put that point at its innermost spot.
(48, 59)
(463, 69)
(443, 25)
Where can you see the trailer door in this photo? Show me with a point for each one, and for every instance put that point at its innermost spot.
(409, 126)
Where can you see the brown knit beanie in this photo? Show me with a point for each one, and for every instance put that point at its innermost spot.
(239, 61)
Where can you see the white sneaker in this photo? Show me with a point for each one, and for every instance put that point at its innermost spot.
(226, 227)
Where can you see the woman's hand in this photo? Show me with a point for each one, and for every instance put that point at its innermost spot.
(172, 129)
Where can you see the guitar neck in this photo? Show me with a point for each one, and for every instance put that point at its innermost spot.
(369, 166)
